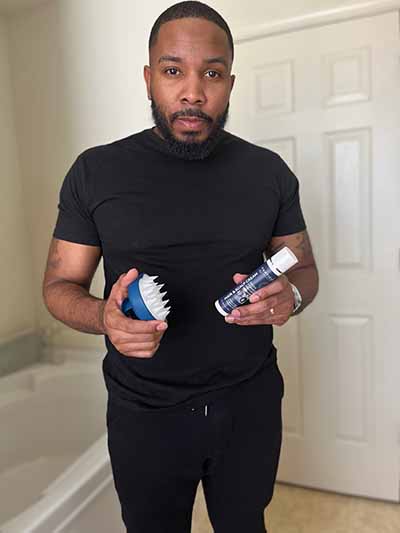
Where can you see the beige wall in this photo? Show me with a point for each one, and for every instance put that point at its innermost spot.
(77, 73)
(41, 117)
(16, 280)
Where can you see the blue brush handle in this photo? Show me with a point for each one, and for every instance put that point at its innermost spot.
(134, 303)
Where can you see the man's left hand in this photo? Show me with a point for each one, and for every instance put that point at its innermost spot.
(277, 295)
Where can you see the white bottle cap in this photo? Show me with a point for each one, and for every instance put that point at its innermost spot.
(284, 259)
(219, 308)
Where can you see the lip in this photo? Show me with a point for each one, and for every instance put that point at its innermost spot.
(191, 123)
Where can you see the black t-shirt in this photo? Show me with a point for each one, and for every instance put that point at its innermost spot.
(192, 223)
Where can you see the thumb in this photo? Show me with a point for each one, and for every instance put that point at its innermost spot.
(128, 277)
(238, 278)
(120, 289)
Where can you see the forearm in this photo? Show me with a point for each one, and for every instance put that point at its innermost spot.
(74, 306)
(307, 281)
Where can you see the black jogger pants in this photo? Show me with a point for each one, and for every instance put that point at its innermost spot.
(231, 445)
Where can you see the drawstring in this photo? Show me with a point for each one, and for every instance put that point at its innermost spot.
(205, 409)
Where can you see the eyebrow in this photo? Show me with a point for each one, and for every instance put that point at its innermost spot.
(209, 60)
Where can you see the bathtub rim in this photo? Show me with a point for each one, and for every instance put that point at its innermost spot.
(85, 477)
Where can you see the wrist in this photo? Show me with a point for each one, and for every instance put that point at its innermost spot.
(102, 325)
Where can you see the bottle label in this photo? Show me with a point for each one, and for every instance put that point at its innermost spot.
(240, 294)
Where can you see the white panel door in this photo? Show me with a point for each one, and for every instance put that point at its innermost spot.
(327, 99)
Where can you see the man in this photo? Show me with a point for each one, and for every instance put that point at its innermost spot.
(198, 398)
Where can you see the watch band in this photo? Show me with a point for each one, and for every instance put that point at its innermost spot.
(297, 297)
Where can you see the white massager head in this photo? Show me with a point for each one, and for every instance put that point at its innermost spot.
(152, 297)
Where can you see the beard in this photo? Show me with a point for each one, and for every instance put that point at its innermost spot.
(191, 149)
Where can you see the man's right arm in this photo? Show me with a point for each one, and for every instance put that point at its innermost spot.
(67, 279)
(69, 272)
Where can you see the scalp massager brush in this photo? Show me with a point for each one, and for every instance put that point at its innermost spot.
(144, 300)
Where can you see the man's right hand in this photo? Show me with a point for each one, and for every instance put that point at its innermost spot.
(134, 338)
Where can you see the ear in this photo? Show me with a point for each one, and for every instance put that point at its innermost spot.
(147, 79)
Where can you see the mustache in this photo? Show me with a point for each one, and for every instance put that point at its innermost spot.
(195, 113)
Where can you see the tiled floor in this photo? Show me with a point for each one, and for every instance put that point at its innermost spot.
(298, 510)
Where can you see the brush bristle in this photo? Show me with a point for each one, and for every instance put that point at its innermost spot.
(153, 297)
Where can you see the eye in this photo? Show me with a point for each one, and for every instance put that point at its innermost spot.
(171, 68)
(215, 72)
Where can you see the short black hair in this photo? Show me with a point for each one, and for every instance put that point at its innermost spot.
(190, 9)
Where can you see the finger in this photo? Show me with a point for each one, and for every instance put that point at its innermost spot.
(264, 314)
(128, 277)
(275, 287)
(118, 320)
(250, 309)
(131, 325)
(258, 322)
(121, 337)
(114, 297)
(238, 278)
(143, 354)
(259, 319)
(136, 351)
(119, 290)
(138, 346)
(146, 326)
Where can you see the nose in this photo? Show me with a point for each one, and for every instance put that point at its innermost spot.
(193, 91)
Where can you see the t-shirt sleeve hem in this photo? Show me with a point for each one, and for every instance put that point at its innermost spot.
(76, 239)
(289, 231)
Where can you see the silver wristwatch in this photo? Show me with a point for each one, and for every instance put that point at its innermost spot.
(297, 297)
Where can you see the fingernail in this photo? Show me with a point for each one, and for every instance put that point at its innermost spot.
(229, 319)
(254, 298)
(162, 327)
(235, 312)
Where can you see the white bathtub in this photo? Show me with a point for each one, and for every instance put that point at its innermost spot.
(53, 447)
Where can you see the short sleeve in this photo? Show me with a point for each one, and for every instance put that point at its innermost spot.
(74, 222)
(290, 218)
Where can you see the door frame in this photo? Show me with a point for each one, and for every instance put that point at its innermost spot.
(242, 34)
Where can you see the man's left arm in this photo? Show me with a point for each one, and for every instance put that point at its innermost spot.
(278, 295)
(304, 274)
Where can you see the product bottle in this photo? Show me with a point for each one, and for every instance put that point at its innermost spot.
(267, 272)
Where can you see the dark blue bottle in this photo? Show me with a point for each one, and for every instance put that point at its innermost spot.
(267, 272)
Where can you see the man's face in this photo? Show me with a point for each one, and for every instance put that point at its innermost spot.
(189, 84)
